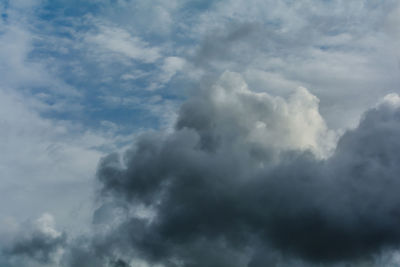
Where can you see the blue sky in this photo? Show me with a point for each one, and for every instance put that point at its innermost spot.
(80, 79)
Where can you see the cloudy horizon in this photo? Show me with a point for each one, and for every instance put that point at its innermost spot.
(199, 133)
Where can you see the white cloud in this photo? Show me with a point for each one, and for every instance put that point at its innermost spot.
(18, 70)
(170, 67)
(272, 82)
(268, 120)
(392, 100)
(340, 51)
(120, 41)
(137, 74)
(47, 163)
(46, 224)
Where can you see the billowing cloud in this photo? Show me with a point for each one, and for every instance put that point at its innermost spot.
(247, 178)
(37, 242)
(250, 172)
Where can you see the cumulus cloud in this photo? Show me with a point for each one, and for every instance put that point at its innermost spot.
(314, 44)
(244, 178)
(248, 179)
(38, 242)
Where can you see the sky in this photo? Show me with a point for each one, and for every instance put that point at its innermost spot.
(192, 133)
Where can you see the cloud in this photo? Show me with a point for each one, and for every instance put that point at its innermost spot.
(39, 242)
(20, 69)
(121, 42)
(47, 163)
(244, 179)
(226, 184)
(170, 67)
(336, 50)
(236, 180)
(231, 112)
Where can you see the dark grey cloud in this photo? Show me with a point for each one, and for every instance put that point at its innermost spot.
(39, 247)
(92, 251)
(210, 195)
(244, 179)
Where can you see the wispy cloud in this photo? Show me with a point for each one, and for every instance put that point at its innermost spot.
(119, 42)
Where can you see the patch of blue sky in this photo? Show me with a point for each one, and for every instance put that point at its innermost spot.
(136, 19)
(59, 49)
(132, 118)
(111, 101)
(53, 9)
(59, 44)
(3, 11)
(200, 5)
(4, 15)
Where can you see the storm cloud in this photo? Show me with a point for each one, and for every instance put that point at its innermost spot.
(246, 175)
